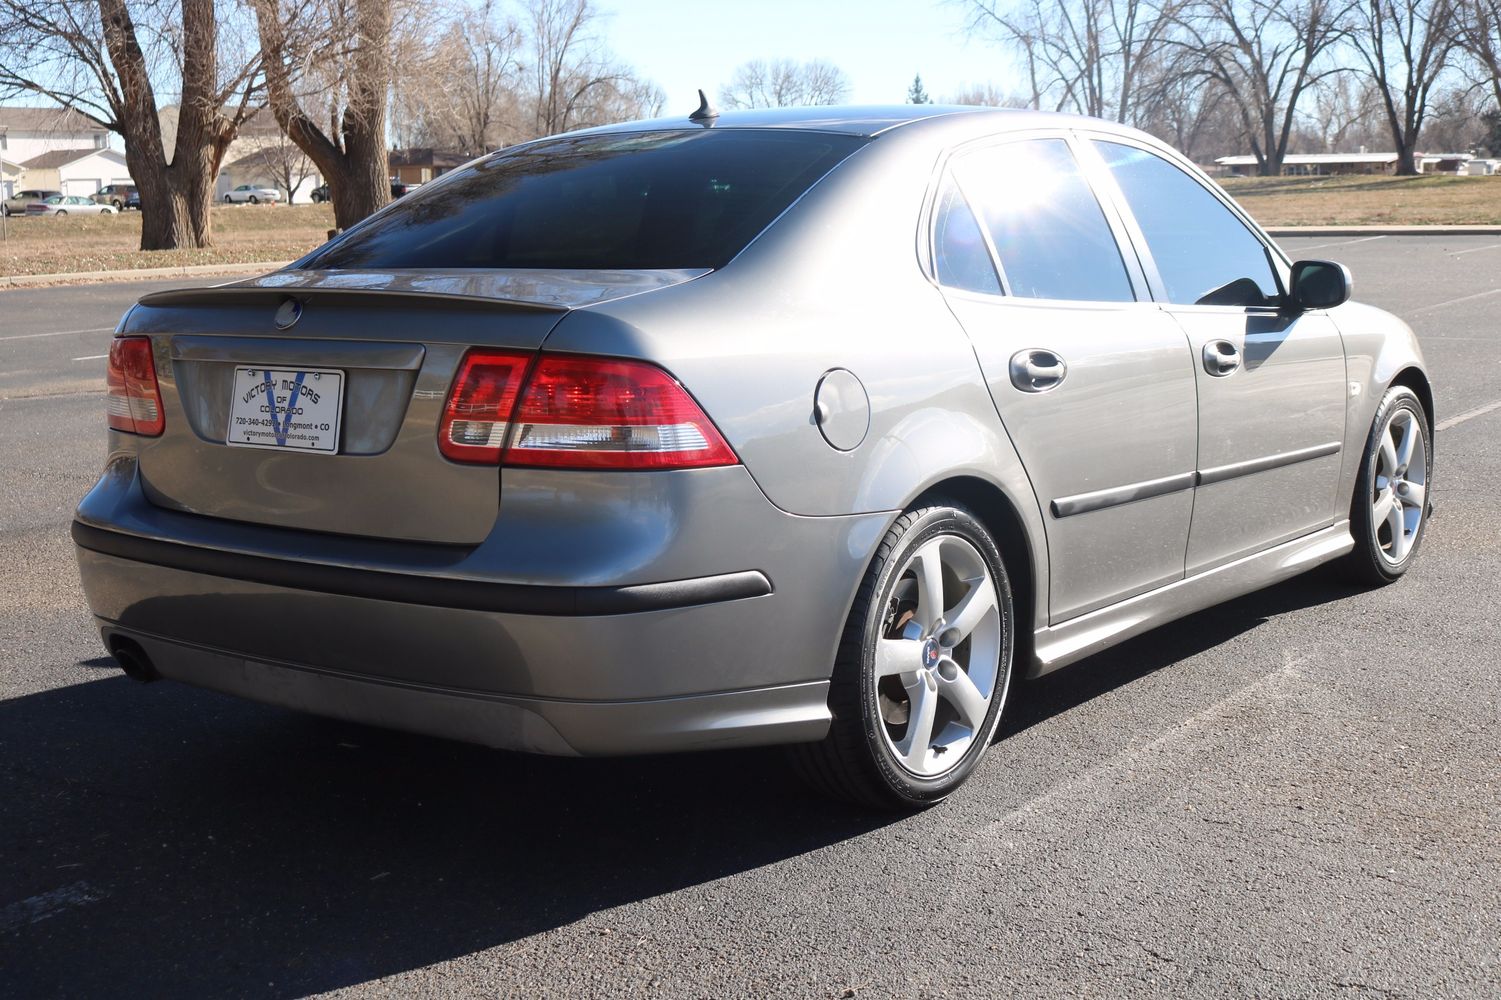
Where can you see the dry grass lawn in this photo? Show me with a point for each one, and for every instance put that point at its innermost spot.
(242, 234)
(1369, 201)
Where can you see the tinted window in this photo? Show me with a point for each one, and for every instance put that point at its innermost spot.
(960, 256)
(644, 200)
(1048, 229)
(1205, 255)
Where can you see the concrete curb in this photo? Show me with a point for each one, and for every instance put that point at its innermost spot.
(1383, 230)
(139, 274)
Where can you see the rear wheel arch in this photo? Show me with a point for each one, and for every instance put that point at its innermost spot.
(1000, 516)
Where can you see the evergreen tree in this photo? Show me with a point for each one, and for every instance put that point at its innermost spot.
(916, 94)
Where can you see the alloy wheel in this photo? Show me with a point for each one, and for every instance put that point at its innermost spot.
(1399, 478)
(937, 660)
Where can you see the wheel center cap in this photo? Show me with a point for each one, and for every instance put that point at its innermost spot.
(930, 653)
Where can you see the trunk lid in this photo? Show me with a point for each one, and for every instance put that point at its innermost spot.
(392, 341)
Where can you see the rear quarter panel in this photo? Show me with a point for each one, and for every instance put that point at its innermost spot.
(835, 283)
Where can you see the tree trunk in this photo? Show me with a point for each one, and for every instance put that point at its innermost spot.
(353, 161)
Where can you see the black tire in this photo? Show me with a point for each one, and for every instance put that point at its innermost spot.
(855, 761)
(62, 211)
(1368, 563)
(228, 200)
(254, 200)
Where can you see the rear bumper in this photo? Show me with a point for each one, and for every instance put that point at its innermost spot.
(555, 655)
(790, 713)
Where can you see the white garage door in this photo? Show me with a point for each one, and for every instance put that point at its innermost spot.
(82, 185)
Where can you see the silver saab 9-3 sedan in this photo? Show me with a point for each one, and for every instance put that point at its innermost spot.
(811, 427)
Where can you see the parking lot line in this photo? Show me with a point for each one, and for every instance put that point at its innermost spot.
(1341, 243)
(1454, 302)
(1458, 253)
(57, 333)
(91, 357)
(1479, 411)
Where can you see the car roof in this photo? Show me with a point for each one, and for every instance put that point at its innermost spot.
(863, 120)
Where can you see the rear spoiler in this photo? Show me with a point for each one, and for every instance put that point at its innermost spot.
(538, 290)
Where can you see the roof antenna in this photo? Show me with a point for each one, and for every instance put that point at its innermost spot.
(706, 112)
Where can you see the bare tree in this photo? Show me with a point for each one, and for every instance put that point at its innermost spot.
(987, 95)
(332, 58)
(106, 58)
(1346, 114)
(783, 83)
(1405, 46)
(462, 92)
(575, 83)
(1087, 56)
(1266, 55)
(1478, 28)
(285, 161)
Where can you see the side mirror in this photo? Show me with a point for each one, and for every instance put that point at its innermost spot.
(1320, 284)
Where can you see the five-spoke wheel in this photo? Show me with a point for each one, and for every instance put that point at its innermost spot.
(1391, 496)
(924, 667)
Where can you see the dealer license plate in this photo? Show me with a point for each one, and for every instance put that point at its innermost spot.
(283, 408)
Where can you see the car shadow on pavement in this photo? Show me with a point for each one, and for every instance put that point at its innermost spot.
(159, 840)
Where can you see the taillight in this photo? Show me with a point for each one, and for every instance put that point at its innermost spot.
(603, 413)
(476, 416)
(576, 412)
(133, 400)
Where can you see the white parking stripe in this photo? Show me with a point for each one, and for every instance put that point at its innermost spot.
(91, 357)
(59, 333)
(1342, 243)
(1454, 302)
(1493, 246)
(1479, 411)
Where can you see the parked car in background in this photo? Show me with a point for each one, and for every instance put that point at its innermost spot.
(808, 427)
(68, 204)
(16, 203)
(119, 196)
(250, 194)
(398, 189)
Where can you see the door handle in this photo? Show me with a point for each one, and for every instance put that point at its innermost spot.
(1220, 358)
(1037, 370)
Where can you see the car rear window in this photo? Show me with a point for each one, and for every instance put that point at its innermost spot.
(676, 199)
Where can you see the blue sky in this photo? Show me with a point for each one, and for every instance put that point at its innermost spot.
(686, 44)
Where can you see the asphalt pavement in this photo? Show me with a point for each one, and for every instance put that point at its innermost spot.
(1296, 794)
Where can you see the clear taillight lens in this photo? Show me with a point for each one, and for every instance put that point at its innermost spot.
(583, 412)
(133, 400)
(477, 414)
(576, 412)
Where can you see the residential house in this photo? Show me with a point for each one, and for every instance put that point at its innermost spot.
(26, 133)
(256, 156)
(75, 171)
(10, 177)
(420, 165)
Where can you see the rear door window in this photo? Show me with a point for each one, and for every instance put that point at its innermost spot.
(1049, 230)
(960, 257)
(674, 199)
(1204, 254)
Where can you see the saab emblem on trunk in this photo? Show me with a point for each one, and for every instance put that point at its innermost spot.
(288, 313)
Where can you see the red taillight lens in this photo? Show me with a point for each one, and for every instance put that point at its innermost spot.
(603, 413)
(575, 412)
(476, 416)
(134, 400)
